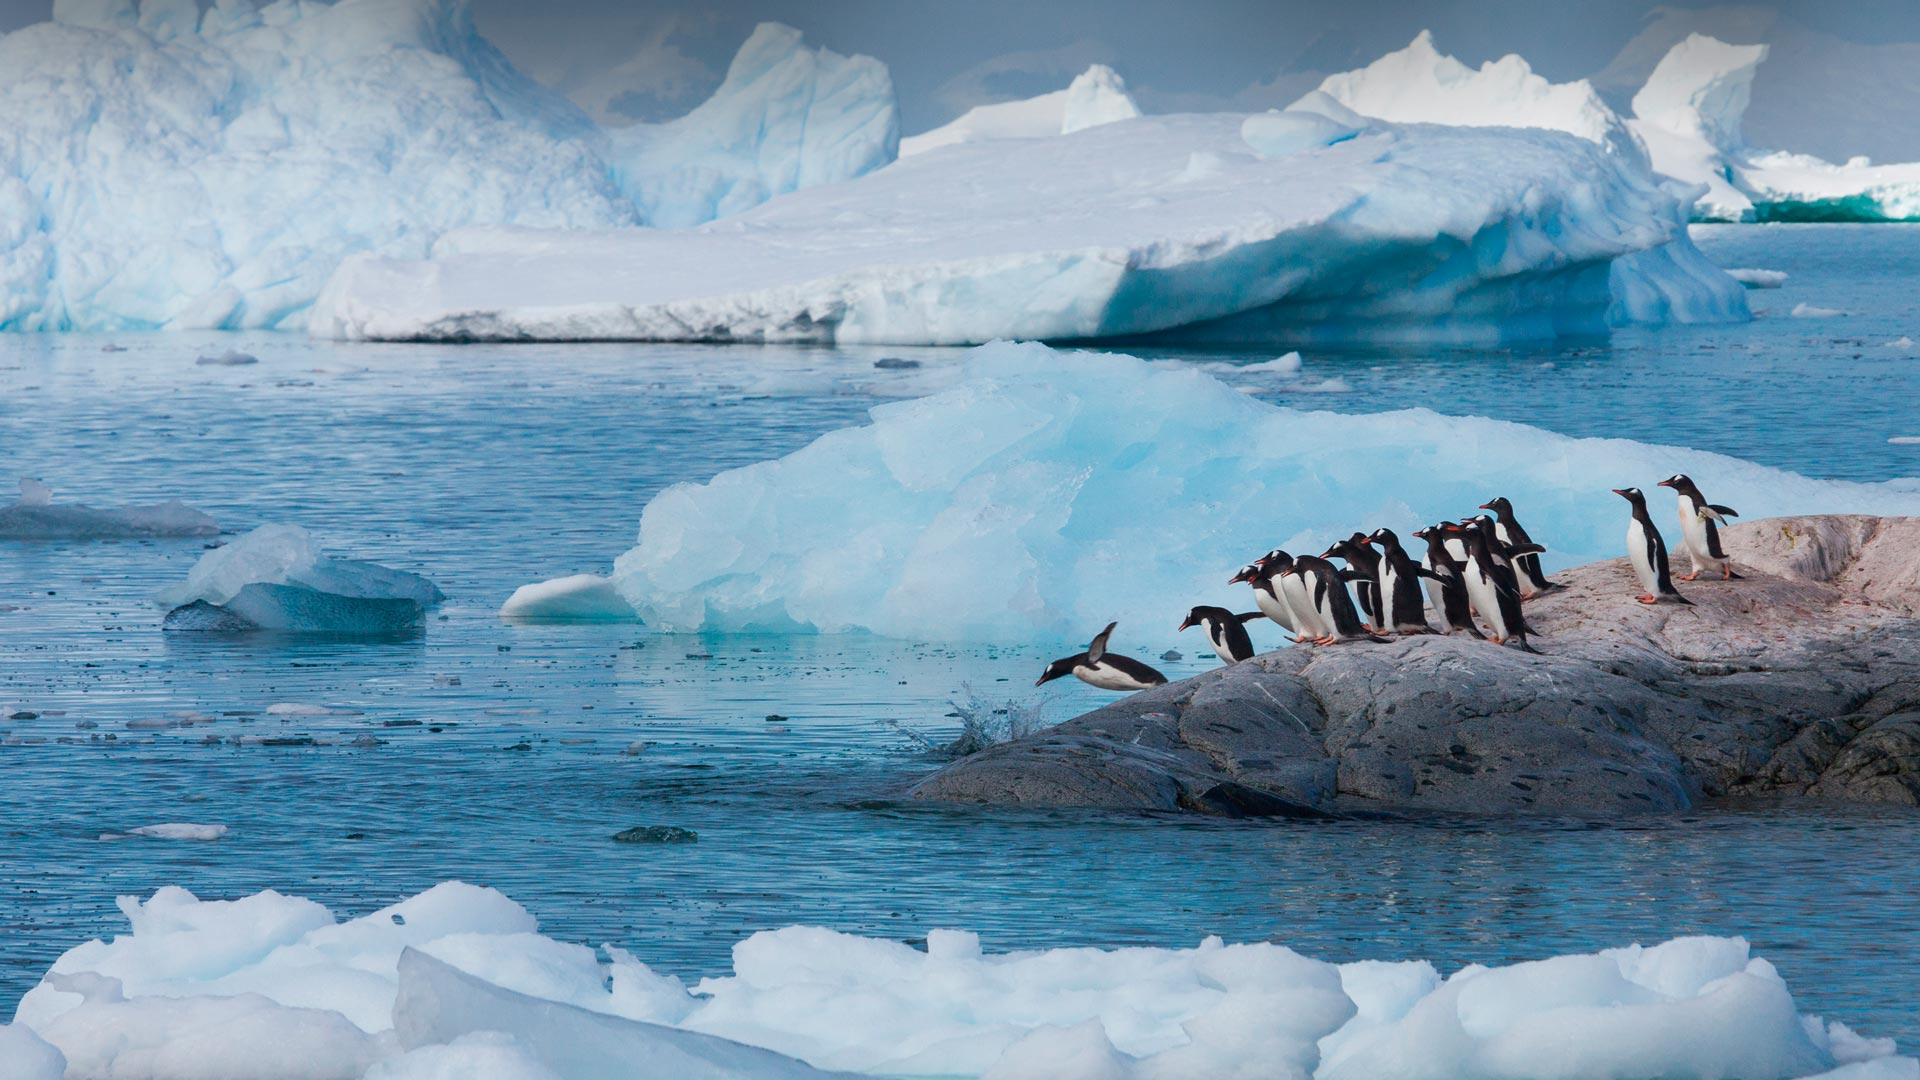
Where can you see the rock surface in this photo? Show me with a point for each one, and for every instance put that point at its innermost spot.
(1801, 679)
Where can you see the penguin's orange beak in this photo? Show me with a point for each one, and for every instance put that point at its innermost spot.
(1486, 506)
(1243, 575)
(1184, 623)
(1622, 492)
(1664, 483)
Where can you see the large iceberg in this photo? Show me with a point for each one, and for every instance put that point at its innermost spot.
(1096, 96)
(277, 578)
(459, 981)
(1051, 492)
(1689, 115)
(164, 168)
(1178, 226)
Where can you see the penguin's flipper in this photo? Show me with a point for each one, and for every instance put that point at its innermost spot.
(1723, 511)
(1354, 575)
(1249, 616)
(1098, 646)
(1525, 549)
(1428, 573)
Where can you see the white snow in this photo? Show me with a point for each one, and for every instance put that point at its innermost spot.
(1006, 508)
(35, 516)
(1096, 96)
(458, 982)
(579, 597)
(1759, 279)
(1421, 85)
(159, 173)
(1158, 224)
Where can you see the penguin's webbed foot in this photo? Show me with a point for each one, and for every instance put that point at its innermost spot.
(1648, 599)
(1690, 577)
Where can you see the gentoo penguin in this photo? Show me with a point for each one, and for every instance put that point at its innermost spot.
(1445, 586)
(1502, 557)
(1497, 600)
(1226, 632)
(1401, 608)
(1507, 530)
(1098, 667)
(1648, 552)
(1363, 569)
(1264, 575)
(1332, 604)
(1700, 523)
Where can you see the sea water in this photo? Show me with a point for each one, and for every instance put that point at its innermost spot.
(508, 754)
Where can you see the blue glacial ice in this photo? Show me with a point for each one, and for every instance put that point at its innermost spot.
(459, 981)
(1178, 226)
(164, 168)
(1050, 492)
(277, 578)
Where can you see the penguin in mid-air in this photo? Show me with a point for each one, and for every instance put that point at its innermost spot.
(1098, 667)
(1494, 594)
(1700, 523)
(1507, 530)
(1445, 586)
(1226, 632)
(1401, 608)
(1332, 604)
(1648, 552)
(1268, 595)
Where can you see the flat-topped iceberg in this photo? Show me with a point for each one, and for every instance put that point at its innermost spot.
(1174, 226)
(459, 979)
(1096, 96)
(161, 168)
(277, 578)
(1051, 492)
(35, 516)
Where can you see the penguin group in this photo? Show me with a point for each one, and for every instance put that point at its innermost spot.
(1473, 573)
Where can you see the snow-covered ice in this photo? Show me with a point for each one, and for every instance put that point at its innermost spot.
(26, 1056)
(579, 597)
(1096, 96)
(1759, 279)
(35, 516)
(159, 168)
(1171, 225)
(1006, 508)
(272, 986)
(277, 578)
(1814, 311)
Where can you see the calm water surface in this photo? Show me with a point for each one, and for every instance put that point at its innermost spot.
(487, 467)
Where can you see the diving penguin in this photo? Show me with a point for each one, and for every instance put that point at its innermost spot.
(1700, 523)
(1098, 667)
(1648, 552)
(1226, 632)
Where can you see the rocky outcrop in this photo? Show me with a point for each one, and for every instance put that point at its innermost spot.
(1801, 679)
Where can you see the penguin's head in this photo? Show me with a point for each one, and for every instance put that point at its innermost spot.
(1057, 670)
(1384, 536)
(1423, 533)
(1632, 495)
(1195, 616)
(1677, 480)
(1247, 573)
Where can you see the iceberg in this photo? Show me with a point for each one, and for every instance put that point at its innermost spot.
(161, 168)
(1096, 96)
(1689, 114)
(35, 516)
(277, 578)
(1176, 227)
(1008, 507)
(272, 986)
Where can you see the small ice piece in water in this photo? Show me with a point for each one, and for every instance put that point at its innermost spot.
(291, 609)
(1905, 440)
(230, 358)
(35, 493)
(1902, 342)
(580, 598)
(172, 830)
(1759, 279)
(276, 578)
(1810, 311)
(37, 517)
(299, 708)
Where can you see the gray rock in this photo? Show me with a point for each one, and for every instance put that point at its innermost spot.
(1801, 679)
(656, 834)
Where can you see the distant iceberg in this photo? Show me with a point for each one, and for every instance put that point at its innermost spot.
(1096, 96)
(277, 578)
(164, 168)
(1210, 228)
(35, 516)
(1051, 492)
(458, 981)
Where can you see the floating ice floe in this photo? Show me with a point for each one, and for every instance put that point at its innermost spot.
(35, 516)
(1096, 96)
(1812, 311)
(1173, 226)
(277, 578)
(164, 169)
(172, 830)
(1051, 492)
(587, 597)
(276, 988)
(1759, 279)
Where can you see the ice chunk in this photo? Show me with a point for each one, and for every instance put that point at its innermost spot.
(25, 1056)
(1005, 508)
(1813, 311)
(1096, 96)
(287, 555)
(1421, 85)
(1168, 225)
(37, 517)
(582, 597)
(180, 830)
(230, 358)
(293, 609)
(1759, 279)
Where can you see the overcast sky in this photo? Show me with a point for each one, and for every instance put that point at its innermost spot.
(653, 60)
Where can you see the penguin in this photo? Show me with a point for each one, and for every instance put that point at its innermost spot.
(1363, 569)
(1332, 604)
(1098, 667)
(1226, 632)
(1264, 575)
(1648, 552)
(1700, 523)
(1297, 591)
(1401, 608)
(1445, 587)
(1501, 559)
(1507, 530)
(1497, 601)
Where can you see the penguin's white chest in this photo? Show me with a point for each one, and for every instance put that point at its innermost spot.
(1306, 615)
(1693, 533)
(1217, 635)
(1436, 594)
(1274, 606)
(1484, 594)
(1640, 553)
(1107, 677)
(1389, 589)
